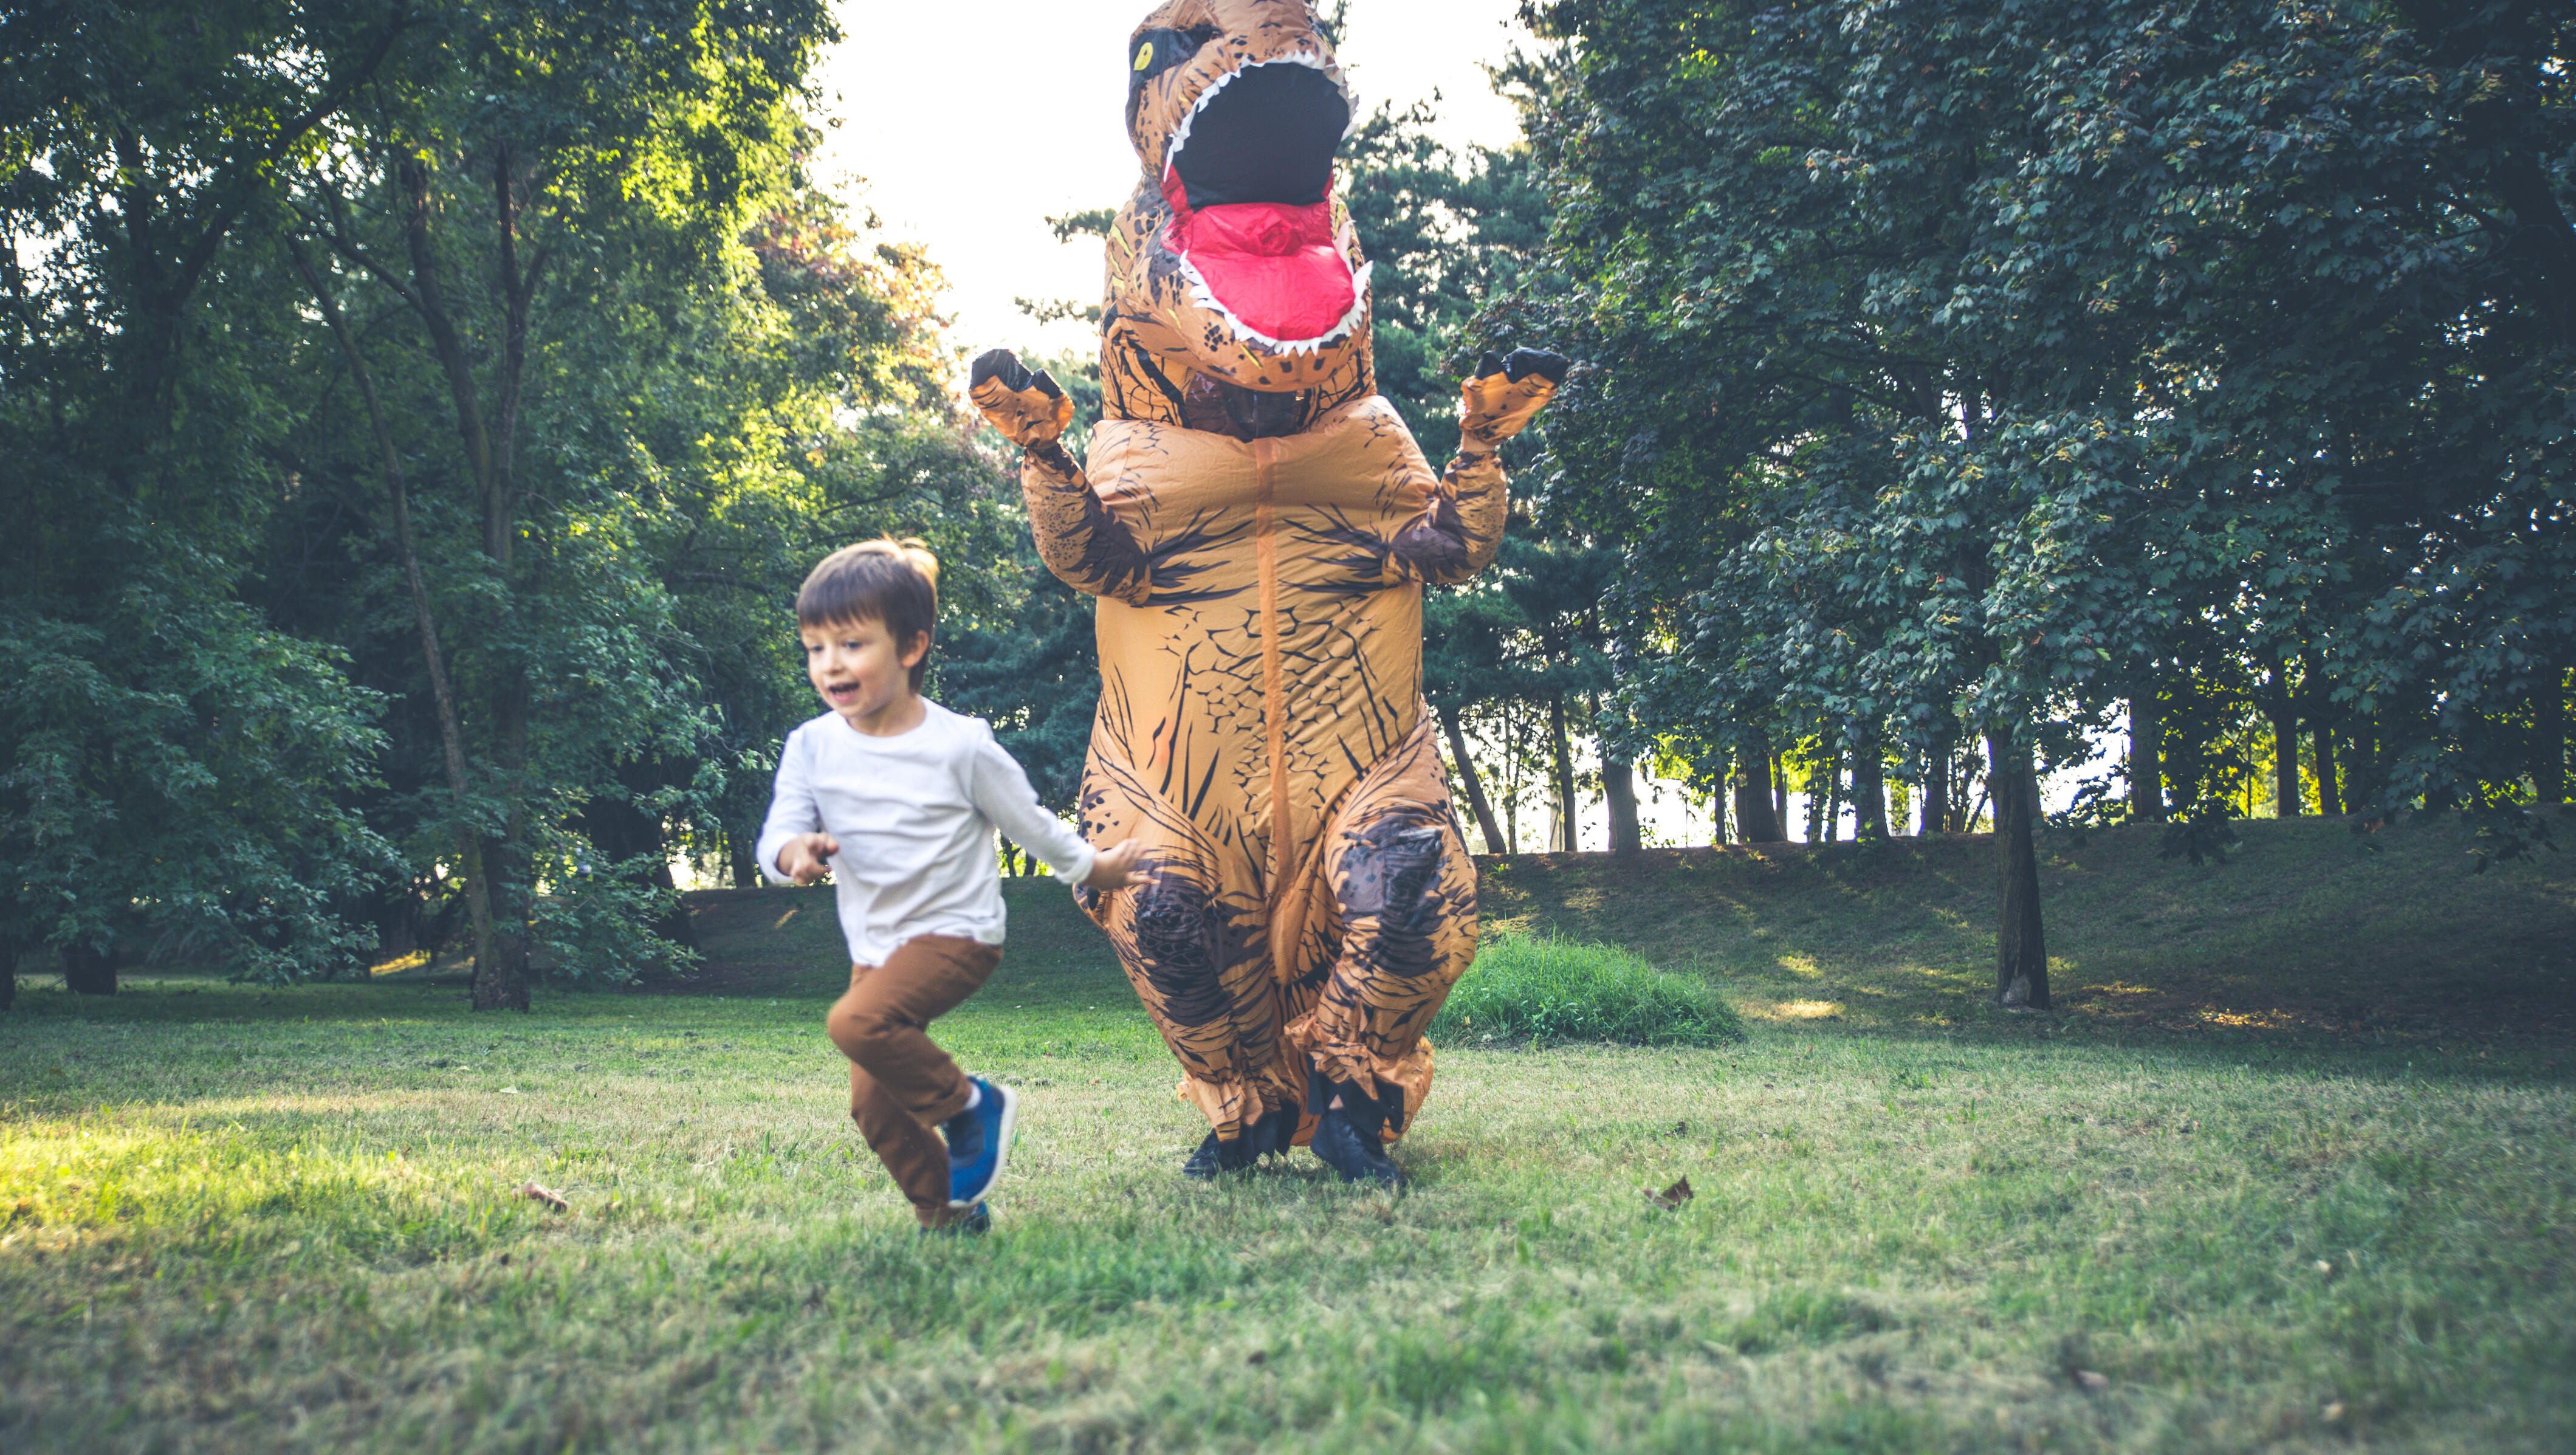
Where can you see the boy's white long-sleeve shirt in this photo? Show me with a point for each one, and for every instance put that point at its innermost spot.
(914, 815)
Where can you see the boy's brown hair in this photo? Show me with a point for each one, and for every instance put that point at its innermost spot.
(893, 582)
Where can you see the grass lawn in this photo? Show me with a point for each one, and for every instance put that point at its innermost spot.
(2290, 1169)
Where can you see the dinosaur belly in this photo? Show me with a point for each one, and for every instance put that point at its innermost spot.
(1279, 655)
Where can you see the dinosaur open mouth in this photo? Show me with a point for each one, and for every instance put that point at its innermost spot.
(1249, 175)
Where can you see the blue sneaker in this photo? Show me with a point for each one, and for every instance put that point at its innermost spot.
(979, 1142)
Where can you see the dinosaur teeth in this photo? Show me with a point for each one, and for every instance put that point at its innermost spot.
(1308, 59)
(1251, 230)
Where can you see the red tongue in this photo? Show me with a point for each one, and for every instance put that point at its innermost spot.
(1272, 265)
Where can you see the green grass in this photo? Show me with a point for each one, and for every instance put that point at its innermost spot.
(1542, 988)
(283, 1220)
(2311, 934)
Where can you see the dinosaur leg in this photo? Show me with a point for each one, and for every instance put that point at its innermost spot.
(1404, 891)
(1188, 933)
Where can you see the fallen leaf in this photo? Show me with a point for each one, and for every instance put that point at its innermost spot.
(2324, 1267)
(1257, 1356)
(2087, 1379)
(546, 1195)
(1671, 1197)
(1681, 1129)
(2334, 1412)
(509, 1091)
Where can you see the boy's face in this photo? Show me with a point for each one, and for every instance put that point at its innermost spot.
(859, 670)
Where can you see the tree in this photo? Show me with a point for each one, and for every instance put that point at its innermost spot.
(1858, 509)
(177, 771)
(420, 419)
(1970, 368)
(538, 169)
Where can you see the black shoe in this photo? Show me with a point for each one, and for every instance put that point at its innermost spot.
(1272, 1133)
(1275, 1132)
(976, 1223)
(1215, 1156)
(1207, 1161)
(1347, 1137)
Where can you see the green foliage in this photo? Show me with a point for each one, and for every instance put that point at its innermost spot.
(636, 375)
(2078, 353)
(199, 811)
(175, 772)
(1036, 679)
(1545, 988)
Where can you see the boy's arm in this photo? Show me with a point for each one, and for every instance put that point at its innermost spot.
(1077, 536)
(792, 809)
(1000, 791)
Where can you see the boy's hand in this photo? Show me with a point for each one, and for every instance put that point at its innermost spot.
(1112, 867)
(802, 858)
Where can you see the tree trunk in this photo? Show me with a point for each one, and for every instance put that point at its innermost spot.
(2285, 746)
(2021, 951)
(2329, 794)
(451, 737)
(1757, 819)
(1869, 789)
(8, 972)
(2146, 760)
(1833, 815)
(502, 859)
(2549, 738)
(1619, 795)
(87, 971)
(1495, 843)
(503, 983)
(1936, 790)
(1779, 798)
(1564, 769)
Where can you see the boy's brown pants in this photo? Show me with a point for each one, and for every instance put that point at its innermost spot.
(901, 1084)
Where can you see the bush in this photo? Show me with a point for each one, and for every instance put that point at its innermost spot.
(1550, 989)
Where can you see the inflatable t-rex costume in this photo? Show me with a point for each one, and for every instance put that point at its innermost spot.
(1258, 525)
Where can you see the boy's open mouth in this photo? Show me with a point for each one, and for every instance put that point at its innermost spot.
(1249, 176)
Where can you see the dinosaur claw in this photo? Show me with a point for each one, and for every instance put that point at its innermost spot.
(1505, 393)
(1027, 405)
(999, 364)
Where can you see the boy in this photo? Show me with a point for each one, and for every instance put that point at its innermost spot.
(898, 797)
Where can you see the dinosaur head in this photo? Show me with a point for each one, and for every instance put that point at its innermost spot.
(1236, 254)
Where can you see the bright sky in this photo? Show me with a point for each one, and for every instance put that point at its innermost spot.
(966, 129)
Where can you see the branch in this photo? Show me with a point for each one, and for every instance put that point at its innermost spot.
(346, 245)
(243, 186)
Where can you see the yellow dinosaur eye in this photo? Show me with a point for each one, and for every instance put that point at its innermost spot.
(1144, 55)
